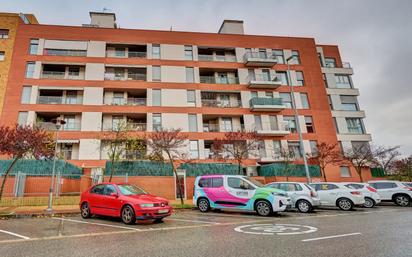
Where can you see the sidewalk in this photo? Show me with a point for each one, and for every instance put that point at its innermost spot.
(8, 212)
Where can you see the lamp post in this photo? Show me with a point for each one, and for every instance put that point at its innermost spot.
(301, 147)
(58, 123)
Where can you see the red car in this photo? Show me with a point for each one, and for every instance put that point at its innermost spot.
(123, 200)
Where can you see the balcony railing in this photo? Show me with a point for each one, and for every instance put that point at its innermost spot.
(221, 104)
(130, 76)
(219, 80)
(222, 128)
(136, 54)
(259, 59)
(129, 126)
(261, 78)
(70, 126)
(265, 101)
(346, 65)
(216, 58)
(125, 101)
(59, 100)
(60, 75)
(67, 52)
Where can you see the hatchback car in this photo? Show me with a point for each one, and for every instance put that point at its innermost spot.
(372, 197)
(393, 191)
(336, 194)
(237, 193)
(126, 201)
(303, 197)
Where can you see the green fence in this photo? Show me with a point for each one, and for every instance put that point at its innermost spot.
(140, 168)
(197, 169)
(295, 170)
(41, 168)
(378, 172)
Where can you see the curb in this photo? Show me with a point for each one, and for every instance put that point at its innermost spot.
(12, 215)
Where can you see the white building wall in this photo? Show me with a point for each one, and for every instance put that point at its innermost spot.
(93, 96)
(173, 74)
(89, 149)
(174, 97)
(91, 121)
(96, 49)
(175, 121)
(94, 71)
(172, 52)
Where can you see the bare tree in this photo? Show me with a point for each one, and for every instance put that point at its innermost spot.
(237, 145)
(168, 142)
(327, 154)
(403, 169)
(388, 159)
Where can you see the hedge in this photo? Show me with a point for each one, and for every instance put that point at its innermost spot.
(296, 170)
(140, 168)
(32, 167)
(378, 172)
(197, 169)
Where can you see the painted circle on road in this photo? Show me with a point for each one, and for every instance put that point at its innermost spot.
(275, 229)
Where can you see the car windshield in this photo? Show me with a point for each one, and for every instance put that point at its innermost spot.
(127, 189)
(254, 182)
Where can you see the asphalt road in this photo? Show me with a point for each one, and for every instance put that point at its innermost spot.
(382, 231)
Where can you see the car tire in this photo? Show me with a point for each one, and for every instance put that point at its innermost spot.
(345, 204)
(402, 200)
(369, 203)
(203, 205)
(85, 210)
(263, 208)
(304, 206)
(127, 215)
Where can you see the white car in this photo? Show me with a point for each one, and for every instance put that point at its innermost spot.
(393, 191)
(304, 197)
(336, 194)
(372, 197)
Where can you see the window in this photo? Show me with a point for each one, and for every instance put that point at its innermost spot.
(238, 183)
(211, 182)
(190, 74)
(305, 101)
(70, 122)
(34, 46)
(279, 56)
(277, 148)
(156, 73)
(313, 147)
(74, 71)
(156, 51)
(109, 189)
(325, 81)
(296, 59)
(290, 123)
(330, 62)
(251, 74)
(354, 186)
(262, 149)
(98, 189)
(188, 53)
(192, 123)
(273, 122)
(323, 187)
(355, 126)
(269, 94)
(300, 81)
(286, 99)
(30, 69)
(344, 172)
(262, 53)
(227, 125)
(266, 75)
(191, 97)
(194, 149)
(343, 81)
(282, 77)
(2, 54)
(25, 95)
(4, 33)
(294, 149)
(309, 124)
(253, 94)
(384, 185)
(258, 122)
(288, 187)
(335, 124)
(157, 121)
(22, 118)
(71, 97)
(330, 102)
(156, 97)
(349, 103)
(120, 51)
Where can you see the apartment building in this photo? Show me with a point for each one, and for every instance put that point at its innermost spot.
(97, 75)
(9, 22)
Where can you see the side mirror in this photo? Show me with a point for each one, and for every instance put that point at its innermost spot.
(113, 195)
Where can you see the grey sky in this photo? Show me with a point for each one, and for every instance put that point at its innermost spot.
(375, 36)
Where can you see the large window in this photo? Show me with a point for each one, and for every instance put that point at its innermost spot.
(313, 147)
(277, 149)
(227, 124)
(282, 77)
(238, 183)
(273, 122)
(191, 97)
(30, 69)
(188, 53)
(330, 62)
(305, 101)
(349, 103)
(190, 74)
(291, 123)
(156, 73)
(344, 172)
(262, 148)
(296, 59)
(192, 123)
(2, 54)
(258, 122)
(294, 149)
(279, 56)
(300, 81)
(25, 95)
(156, 51)
(210, 182)
(157, 121)
(194, 149)
(286, 99)
(343, 81)
(355, 126)
(156, 97)
(309, 124)
(4, 33)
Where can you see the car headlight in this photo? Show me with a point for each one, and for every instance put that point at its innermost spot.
(147, 205)
(280, 194)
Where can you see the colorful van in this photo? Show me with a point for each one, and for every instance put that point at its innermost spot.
(238, 193)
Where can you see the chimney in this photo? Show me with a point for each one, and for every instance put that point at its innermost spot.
(232, 27)
(103, 20)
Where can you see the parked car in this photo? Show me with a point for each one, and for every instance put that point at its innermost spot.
(237, 193)
(372, 197)
(303, 196)
(126, 201)
(336, 194)
(393, 191)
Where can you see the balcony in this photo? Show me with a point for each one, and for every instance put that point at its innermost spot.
(69, 126)
(271, 129)
(59, 100)
(263, 81)
(64, 52)
(125, 76)
(126, 51)
(266, 104)
(219, 80)
(52, 71)
(222, 128)
(216, 58)
(261, 59)
(125, 101)
(221, 104)
(130, 126)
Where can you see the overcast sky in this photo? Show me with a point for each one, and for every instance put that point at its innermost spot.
(375, 36)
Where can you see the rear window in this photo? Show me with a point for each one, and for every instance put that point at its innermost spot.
(210, 182)
(384, 185)
(354, 186)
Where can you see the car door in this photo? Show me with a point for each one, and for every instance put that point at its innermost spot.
(240, 192)
(95, 199)
(110, 204)
(289, 188)
(386, 189)
(327, 193)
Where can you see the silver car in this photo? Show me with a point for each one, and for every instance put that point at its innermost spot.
(303, 196)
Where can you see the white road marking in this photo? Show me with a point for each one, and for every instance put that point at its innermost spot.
(240, 216)
(14, 234)
(194, 221)
(328, 237)
(97, 224)
(275, 229)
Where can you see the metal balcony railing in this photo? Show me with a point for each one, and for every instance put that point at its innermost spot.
(61, 75)
(59, 100)
(129, 126)
(271, 126)
(67, 52)
(136, 54)
(222, 128)
(219, 80)
(265, 101)
(262, 78)
(221, 104)
(125, 101)
(259, 55)
(69, 126)
(130, 76)
(216, 58)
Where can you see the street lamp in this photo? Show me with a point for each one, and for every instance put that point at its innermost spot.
(58, 123)
(301, 148)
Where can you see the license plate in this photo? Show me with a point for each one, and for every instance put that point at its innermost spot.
(163, 211)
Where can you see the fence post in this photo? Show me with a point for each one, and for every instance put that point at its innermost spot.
(127, 177)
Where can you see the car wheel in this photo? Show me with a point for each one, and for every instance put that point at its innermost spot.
(263, 208)
(203, 205)
(345, 204)
(402, 200)
(128, 216)
(369, 203)
(304, 206)
(85, 211)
